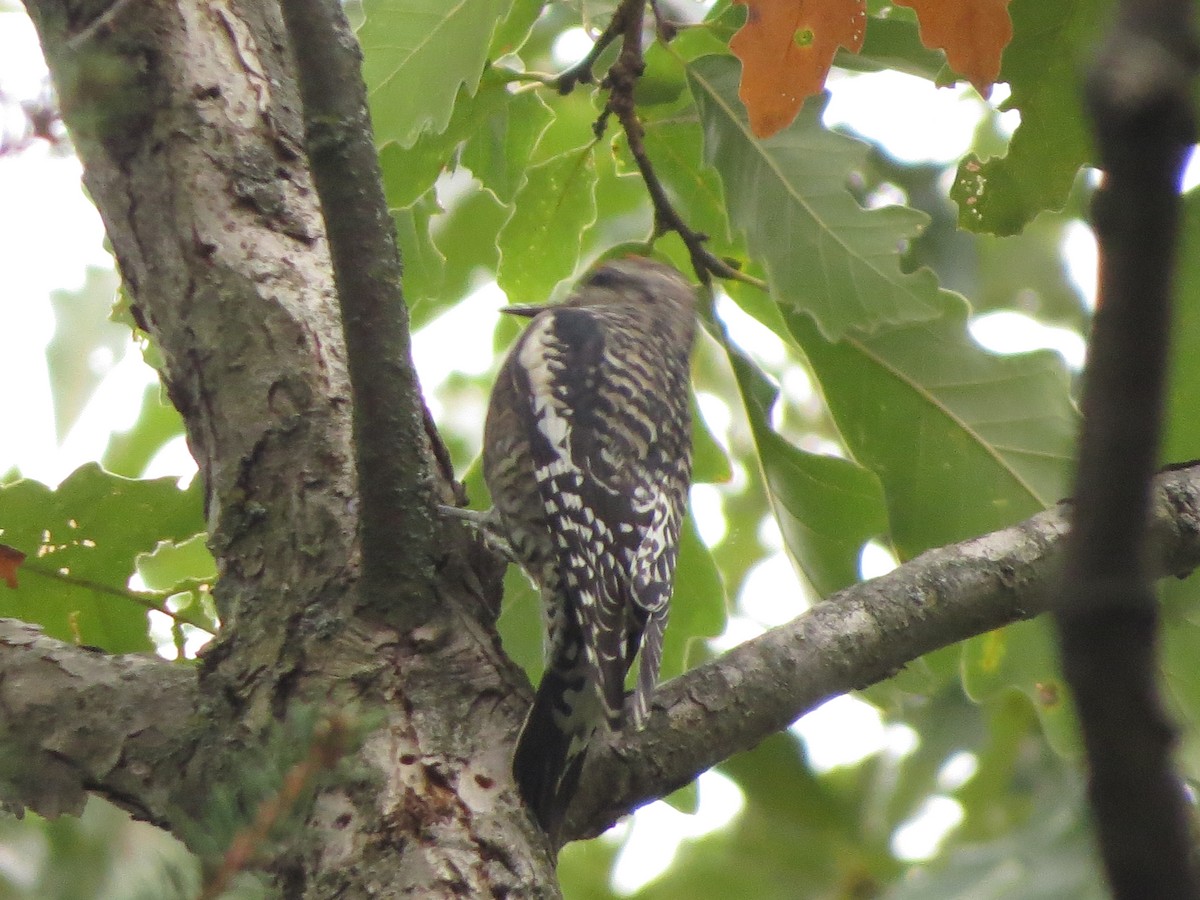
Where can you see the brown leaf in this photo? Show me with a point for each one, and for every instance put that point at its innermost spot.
(973, 34)
(786, 48)
(10, 559)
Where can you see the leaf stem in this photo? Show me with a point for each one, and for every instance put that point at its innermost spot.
(149, 600)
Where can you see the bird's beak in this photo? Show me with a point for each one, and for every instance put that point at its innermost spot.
(527, 312)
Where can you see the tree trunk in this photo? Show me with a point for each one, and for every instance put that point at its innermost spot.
(187, 120)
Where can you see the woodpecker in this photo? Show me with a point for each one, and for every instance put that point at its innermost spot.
(587, 454)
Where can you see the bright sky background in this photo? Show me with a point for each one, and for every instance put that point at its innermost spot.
(50, 234)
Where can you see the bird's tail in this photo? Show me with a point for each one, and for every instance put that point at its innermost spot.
(553, 746)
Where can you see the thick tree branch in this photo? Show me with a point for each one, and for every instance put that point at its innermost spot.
(391, 447)
(857, 637)
(74, 720)
(1107, 614)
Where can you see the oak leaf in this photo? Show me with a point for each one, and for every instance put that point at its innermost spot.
(972, 33)
(786, 48)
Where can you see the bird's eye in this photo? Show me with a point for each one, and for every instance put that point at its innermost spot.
(606, 278)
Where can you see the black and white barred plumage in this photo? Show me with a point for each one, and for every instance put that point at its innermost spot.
(587, 454)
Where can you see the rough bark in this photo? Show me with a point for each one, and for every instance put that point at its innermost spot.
(74, 719)
(186, 118)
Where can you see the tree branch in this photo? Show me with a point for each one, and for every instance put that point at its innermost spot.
(855, 638)
(581, 72)
(74, 720)
(1107, 613)
(621, 80)
(392, 450)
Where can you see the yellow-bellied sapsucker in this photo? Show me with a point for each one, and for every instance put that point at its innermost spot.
(587, 454)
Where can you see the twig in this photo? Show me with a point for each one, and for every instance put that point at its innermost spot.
(537, 78)
(581, 72)
(441, 455)
(1107, 613)
(663, 27)
(620, 82)
(327, 748)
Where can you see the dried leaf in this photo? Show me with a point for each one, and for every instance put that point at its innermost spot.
(973, 34)
(10, 560)
(786, 48)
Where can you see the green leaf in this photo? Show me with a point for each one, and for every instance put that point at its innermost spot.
(1180, 644)
(424, 264)
(698, 603)
(540, 243)
(466, 236)
(184, 574)
(675, 148)
(1052, 43)
(1048, 857)
(82, 326)
(1181, 633)
(410, 172)
(500, 145)
(973, 442)
(129, 452)
(686, 799)
(1181, 440)
(82, 541)
(664, 80)
(514, 28)
(1026, 272)
(520, 624)
(499, 129)
(823, 253)
(827, 508)
(623, 213)
(1024, 656)
(948, 723)
(964, 441)
(417, 54)
(172, 564)
(991, 804)
(798, 836)
(585, 869)
(710, 462)
(893, 43)
(922, 677)
(596, 13)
